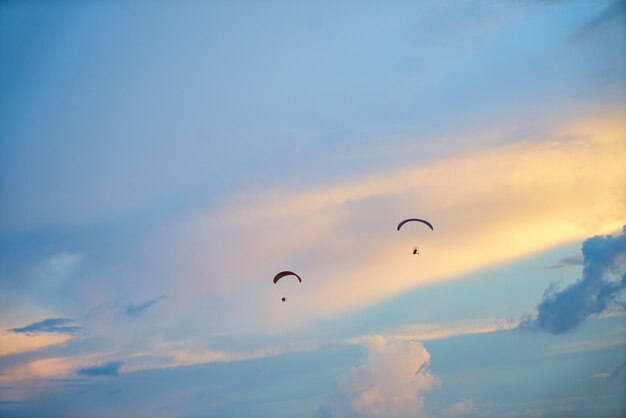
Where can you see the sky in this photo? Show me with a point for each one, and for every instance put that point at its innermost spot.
(161, 161)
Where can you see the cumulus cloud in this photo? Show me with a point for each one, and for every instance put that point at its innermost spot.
(107, 369)
(138, 309)
(389, 384)
(565, 310)
(51, 325)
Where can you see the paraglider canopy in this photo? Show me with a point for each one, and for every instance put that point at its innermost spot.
(415, 220)
(286, 273)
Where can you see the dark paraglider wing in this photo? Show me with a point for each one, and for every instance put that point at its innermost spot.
(415, 220)
(286, 273)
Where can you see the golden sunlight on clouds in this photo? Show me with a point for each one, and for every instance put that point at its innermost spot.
(488, 208)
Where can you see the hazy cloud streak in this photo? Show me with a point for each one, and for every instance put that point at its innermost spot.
(107, 369)
(138, 309)
(53, 325)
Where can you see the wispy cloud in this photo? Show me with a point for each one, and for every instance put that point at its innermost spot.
(138, 309)
(565, 310)
(438, 331)
(461, 408)
(12, 343)
(122, 305)
(585, 346)
(620, 369)
(102, 308)
(185, 353)
(574, 260)
(615, 12)
(61, 265)
(48, 367)
(107, 369)
(51, 325)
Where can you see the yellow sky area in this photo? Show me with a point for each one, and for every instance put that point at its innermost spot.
(19, 343)
(487, 208)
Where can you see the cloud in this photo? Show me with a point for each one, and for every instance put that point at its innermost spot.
(389, 384)
(620, 369)
(487, 208)
(463, 407)
(129, 309)
(189, 352)
(101, 309)
(528, 413)
(565, 310)
(438, 331)
(138, 309)
(49, 367)
(61, 265)
(51, 325)
(615, 12)
(107, 369)
(574, 260)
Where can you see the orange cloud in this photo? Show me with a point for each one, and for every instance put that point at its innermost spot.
(42, 368)
(18, 343)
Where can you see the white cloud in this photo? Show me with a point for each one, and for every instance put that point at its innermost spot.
(460, 408)
(390, 383)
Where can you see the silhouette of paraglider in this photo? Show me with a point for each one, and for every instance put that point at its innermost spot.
(285, 274)
(415, 249)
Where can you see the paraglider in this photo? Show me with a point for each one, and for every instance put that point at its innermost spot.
(416, 249)
(285, 274)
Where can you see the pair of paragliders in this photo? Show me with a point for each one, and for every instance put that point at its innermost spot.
(415, 251)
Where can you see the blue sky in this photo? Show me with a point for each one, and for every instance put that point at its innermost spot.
(161, 162)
